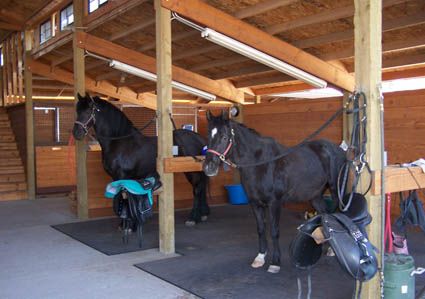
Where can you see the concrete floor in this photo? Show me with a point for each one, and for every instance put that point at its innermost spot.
(38, 262)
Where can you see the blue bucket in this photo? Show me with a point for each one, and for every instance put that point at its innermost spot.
(236, 194)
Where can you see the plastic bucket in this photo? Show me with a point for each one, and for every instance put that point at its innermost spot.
(236, 194)
(399, 284)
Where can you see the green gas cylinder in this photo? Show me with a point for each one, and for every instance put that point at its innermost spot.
(398, 281)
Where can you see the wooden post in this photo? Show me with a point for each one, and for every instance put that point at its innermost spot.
(368, 64)
(29, 119)
(165, 129)
(79, 87)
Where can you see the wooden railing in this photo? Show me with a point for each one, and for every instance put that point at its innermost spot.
(12, 87)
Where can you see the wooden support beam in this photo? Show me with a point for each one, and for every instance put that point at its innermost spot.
(398, 179)
(281, 89)
(262, 7)
(254, 37)
(20, 54)
(29, 121)
(114, 51)
(10, 26)
(322, 17)
(165, 129)
(4, 77)
(80, 88)
(367, 22)
(14, 66)
(182, 164)
(390, 46)
(102, 87)
(387, 25)
(46, 11)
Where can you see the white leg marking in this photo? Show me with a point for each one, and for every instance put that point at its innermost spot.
(273, 269)
(259, 260)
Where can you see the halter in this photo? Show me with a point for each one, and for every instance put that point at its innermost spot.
(222, 156)
(92, 117)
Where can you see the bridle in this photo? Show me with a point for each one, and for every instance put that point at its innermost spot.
(92, 117)
(222, 156)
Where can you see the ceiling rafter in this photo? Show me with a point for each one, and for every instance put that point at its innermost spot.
(252, 36)
(104, 87)
(114, 51)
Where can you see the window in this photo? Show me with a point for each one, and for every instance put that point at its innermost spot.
(95, 4)
(45, 31)
(67, 16)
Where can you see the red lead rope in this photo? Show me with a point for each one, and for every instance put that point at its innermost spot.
(388, 237)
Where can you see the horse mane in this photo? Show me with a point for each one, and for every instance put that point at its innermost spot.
(121, 124)
(264, 139)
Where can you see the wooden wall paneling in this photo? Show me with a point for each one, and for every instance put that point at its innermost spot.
(55, 166)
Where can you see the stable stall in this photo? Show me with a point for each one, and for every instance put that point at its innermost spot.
(180, 58)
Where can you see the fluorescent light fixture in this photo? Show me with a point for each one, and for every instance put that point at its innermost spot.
(152, 77)
(261, 57)
(311, 93)
(403, 84)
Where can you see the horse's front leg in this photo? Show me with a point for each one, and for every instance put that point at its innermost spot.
(274, 212)
(259, 213)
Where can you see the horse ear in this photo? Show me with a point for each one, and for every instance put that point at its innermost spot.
(209, 115)
(80, 97)
(224, 114)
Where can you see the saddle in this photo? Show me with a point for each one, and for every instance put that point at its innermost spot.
(133, 199)
(345, 233)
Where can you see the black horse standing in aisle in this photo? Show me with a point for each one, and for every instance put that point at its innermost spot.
(128, 154)
(301, 174)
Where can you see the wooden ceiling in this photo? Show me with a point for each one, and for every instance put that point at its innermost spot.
(323, 28)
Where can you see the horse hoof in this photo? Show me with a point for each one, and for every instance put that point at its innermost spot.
(259, 261)
(330, 252)
(273, 269)
(190, 223)
(204, 218)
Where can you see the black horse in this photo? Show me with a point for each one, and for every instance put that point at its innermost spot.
(301, 174)
(128, 154)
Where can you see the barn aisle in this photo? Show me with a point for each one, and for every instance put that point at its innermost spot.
(37, 261)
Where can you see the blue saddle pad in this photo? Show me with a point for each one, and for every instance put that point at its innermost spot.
(131, 186)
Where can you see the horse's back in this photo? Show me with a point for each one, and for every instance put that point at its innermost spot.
(190, 143)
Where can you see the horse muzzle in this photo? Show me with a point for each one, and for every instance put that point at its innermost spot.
(78, 132)
(210, 168)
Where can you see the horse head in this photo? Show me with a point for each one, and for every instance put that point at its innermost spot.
(86, 116)
(220, 141)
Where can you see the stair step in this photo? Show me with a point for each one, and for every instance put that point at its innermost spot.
(13, 195)
(7, 187)
(4, 116)
(13, 178)
(4, 124)
(9, 137)
(7, 146)
(11, 169)
(9, 154)
(10, 162)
